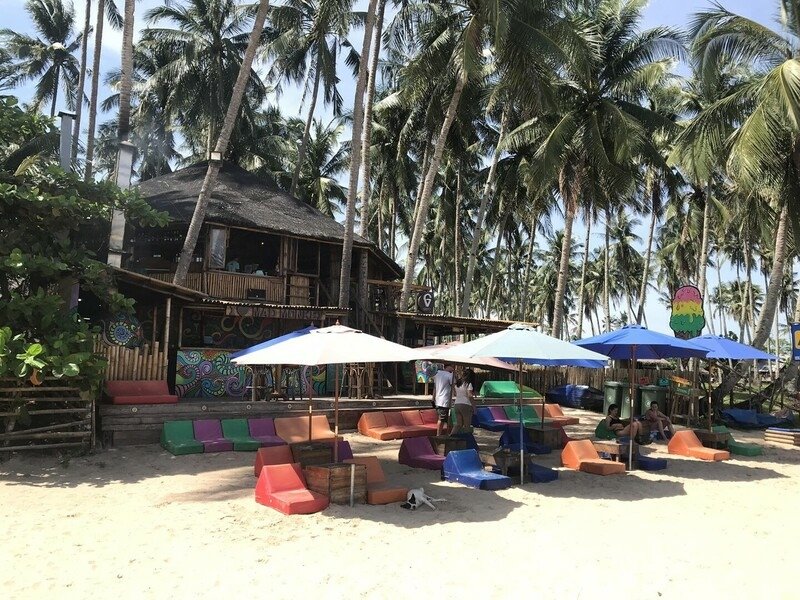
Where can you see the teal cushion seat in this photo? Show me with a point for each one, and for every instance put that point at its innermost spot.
(737, 447)
(237, 431)
(177, 437)
(506, 389)
(529, 416)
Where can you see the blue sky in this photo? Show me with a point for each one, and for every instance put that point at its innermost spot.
(676, 13)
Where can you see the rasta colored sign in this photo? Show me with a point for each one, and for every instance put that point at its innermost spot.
(687, 319)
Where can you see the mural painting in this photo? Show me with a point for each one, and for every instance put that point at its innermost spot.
(210, 373)
(222, 331)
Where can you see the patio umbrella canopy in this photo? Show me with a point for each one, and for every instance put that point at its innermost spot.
(633, 342)
(433, 353)
(329, 346)
(524, 345)
(271, 342)
(727, 349)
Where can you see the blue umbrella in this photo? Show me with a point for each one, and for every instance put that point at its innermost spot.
(725, 349)
(633, 342)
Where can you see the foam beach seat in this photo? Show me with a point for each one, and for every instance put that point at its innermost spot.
(529, 416)
(421, 418)
(580, 455)
(506, 389)
(343, 450)
(737, 447)
(465, 467)
(263, 430)
(378, 490)
(484, 419)
(418, 452)
(651, 463)
(236, 431)
(511, 440)
(177, 437)
(295, 429)
(558, 421)
(283, 488)
(540, 473)
(685, 443)
(209, 433)
(272, 455)
(554, 412)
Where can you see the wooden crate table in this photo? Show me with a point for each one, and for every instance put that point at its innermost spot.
(712, 439)
(504, 459)
(617, 450)
(334, 480)
(312, 453)
(445, 443)
(549, 435)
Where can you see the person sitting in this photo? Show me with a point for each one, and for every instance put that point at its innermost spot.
(659, 419)
(233, 265)
(615, 424)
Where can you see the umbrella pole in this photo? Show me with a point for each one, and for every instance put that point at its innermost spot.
(708, 393)
(310, 398)
(521, 431)
(631, 374)
(336, 416)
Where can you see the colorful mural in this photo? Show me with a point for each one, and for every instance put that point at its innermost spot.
(210, 373)
(123, 329)
(221, 331)
(426, 370)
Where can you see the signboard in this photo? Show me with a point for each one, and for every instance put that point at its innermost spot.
(425, 302)
(687, 319)
(795, 328)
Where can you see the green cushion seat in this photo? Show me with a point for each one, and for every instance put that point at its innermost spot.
(236, 431)
(603, 432)
(506, 389)
(737, 447)
(177, 437)
(529, 416)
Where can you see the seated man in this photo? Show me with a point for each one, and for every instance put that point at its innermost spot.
(233, 265)
(613, 422)
(659, 419)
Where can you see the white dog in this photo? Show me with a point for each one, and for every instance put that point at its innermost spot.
(416, 497)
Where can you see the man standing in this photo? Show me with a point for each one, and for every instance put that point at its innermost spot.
(443, 396)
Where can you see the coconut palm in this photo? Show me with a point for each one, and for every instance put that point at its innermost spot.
(48, 58)
(238, 92)
(325, 160)
(590, 146)
(310, 36)
(87, 28)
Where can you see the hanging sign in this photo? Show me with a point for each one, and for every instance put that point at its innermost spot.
(687, 319)
(425, 302)
(795, 327)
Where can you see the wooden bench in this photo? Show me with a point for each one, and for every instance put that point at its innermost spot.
(684, 400)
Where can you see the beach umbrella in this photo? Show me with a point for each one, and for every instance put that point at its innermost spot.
(634, 342)
(722, 348)
(524, 345)
(333, 345)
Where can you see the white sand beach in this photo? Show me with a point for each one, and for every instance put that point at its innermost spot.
(136, 522)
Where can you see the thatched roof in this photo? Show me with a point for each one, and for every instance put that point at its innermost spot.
(242, 199)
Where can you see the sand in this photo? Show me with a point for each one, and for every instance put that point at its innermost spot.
(136, 522)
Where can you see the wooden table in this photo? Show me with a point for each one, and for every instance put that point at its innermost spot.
(338, 481)
(548, 435)
(312, 453)
(617, 450)
(713, 439)
(445, 443)
(504, 459)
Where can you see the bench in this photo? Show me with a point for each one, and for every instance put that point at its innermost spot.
(393, 425)
(139, 392)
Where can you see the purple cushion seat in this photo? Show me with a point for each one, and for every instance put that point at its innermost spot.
(418, 452)
(209, 433)
(500, 416)
(263, 430)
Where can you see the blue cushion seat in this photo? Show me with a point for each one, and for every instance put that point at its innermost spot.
(465, 467)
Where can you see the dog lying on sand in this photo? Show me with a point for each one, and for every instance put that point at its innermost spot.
(416, 497)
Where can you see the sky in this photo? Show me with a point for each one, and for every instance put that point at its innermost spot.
(674, 13)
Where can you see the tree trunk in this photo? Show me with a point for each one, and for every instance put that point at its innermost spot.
(427, 192)
(582, 291)
(355, 160)
(526, 283)
(563, 267)
(366, 141)
(723, 322)
(98, 46)
(498, 251)
(301, 152)
(647, 256)
(703, 258)
(606, 275)
(126, 74)
(76, 131)
(773, 292)
(222, 145)
(456, 229)
(487, 190)
(55, 91)
(749, 309)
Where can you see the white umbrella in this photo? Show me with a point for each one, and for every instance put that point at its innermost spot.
(524, 344)
(433, 353)
(330, 346)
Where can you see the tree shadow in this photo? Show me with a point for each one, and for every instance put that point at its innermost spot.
(683, 467)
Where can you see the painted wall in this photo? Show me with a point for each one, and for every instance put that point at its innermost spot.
(209, 373)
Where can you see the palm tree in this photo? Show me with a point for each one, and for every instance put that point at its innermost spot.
(205, 45)
(126, 79)
(221, 147)
(106, 10)
(87, 27)
(589, 147)
(325, 160)
(763, 154)
(310, 35)
(48, 58)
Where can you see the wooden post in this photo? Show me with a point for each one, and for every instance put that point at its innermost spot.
(363, 288)
(155, 322)
(180, 327)
(167, 318)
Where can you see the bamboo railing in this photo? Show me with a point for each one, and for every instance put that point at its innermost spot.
(143, 363)
(242, 286)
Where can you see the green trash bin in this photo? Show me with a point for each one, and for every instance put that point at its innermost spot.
(616, 392)
(652, 393)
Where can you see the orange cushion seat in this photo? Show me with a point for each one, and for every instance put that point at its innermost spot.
(412, 417)
(378, 490)
(580, 455)
(295, 429)
(373, 424)
(429, 416)
(686, 443)
(554, 412)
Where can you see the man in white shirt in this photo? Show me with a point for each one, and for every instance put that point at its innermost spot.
(443, 396)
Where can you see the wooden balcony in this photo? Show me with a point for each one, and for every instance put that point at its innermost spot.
(293, 290)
